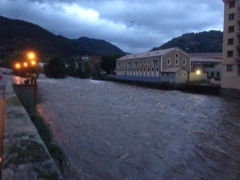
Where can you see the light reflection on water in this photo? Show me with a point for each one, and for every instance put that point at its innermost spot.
(117, 131)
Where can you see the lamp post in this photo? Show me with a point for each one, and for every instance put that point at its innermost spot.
(32, 58)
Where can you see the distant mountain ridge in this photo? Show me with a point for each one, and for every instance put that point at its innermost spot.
(18, 35)
(206, 41)
(97, 46)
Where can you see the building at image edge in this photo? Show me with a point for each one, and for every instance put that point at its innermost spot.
(230, 79)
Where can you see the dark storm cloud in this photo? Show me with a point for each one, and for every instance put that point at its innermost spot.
(134, 26)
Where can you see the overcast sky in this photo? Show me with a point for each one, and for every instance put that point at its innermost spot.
(132, 25)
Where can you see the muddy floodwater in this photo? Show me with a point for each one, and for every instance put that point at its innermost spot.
(115, 131)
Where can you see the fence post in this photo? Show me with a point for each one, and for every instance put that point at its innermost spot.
(35, 91)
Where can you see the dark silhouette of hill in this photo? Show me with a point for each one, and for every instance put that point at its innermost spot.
(206, 41)
(97, 46)
(18, 35)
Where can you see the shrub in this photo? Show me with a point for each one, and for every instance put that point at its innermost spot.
(55, 68)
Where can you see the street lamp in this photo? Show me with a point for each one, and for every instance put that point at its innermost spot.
(18, 65)
(198, 72)
(31, 55)
(33, 62)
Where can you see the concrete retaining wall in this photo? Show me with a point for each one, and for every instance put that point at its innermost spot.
(25, 155)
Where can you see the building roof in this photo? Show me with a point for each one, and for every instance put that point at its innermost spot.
(148, 54)
(217, 55)
(172, 70)
(206, 60)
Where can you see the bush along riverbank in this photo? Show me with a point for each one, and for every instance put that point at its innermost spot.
(44, 131)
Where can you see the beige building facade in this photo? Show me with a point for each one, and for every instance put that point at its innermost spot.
(167, 65)
(230, 78)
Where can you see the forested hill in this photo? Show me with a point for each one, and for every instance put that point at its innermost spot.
(207, 41)
(97, 46)
(18, 35)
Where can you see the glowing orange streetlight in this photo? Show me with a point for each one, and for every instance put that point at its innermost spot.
(17, 65)
(33, 62)
(31, 55)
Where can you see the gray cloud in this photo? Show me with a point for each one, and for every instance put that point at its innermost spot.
(134, 26)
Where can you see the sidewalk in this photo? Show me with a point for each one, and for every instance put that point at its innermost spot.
(25, 155)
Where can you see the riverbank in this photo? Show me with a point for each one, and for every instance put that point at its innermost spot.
(25, 155)
(187, 87)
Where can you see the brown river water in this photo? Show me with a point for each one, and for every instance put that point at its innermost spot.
(115, 131)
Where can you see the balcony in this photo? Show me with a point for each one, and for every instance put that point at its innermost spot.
(238, 32)
(237, 58)
(238, 46)
(238, 19)
(238, 6)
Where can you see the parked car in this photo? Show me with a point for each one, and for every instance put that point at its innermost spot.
(103, 73)
(1, 76)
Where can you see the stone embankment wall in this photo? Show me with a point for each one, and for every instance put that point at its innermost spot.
(25, 155)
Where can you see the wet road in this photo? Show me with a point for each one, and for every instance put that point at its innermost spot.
(117, 131)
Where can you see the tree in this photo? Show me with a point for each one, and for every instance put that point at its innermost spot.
(108, 62)
(55, 67)
(87, 67)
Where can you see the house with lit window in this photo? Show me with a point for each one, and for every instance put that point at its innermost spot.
(230, 79)
(166, 65)
(206, 66)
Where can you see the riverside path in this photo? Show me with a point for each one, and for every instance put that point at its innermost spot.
(115, 131)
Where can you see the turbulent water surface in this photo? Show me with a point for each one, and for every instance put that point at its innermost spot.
(116, 131)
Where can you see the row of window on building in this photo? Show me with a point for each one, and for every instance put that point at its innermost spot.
(231, 29)
(140, 69)
(154, 63)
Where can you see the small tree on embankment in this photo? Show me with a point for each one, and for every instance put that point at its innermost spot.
(55, 68)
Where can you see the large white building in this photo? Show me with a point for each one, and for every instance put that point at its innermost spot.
(167, 65)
